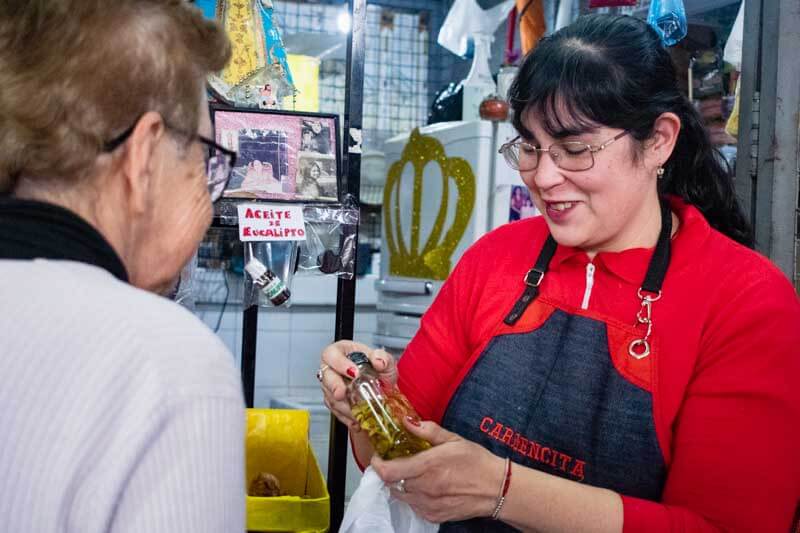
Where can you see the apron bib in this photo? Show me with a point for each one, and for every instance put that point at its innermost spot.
(549, 396)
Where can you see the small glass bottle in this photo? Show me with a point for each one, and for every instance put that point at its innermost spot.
(380, 407)
(269, 283)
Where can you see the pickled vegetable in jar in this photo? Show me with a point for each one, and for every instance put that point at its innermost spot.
(380, 407)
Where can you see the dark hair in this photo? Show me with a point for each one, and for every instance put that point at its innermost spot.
(612, 70)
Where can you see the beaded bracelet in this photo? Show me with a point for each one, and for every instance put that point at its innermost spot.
(501, 498)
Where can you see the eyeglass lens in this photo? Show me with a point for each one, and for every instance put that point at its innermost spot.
(218, 169)
(568, 156)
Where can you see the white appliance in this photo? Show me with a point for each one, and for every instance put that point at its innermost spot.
(419, 169)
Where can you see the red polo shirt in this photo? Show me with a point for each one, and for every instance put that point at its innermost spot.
(725, 385)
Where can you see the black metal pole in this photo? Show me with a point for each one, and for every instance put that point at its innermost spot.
(249, 334)
(346, 289)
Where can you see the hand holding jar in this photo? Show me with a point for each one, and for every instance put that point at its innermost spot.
(360, 389)
(337, 371)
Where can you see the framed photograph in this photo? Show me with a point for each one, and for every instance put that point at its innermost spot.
(520, 204)
(282, 155)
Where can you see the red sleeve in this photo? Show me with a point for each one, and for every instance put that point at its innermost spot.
(736, 460)
(437, 352)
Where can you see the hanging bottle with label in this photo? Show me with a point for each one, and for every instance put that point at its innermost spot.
(478, 83)
(270, 284)
(380, 407)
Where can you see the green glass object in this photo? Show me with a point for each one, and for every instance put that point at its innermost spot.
(380, 407)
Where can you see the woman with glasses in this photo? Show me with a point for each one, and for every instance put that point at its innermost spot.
(120, 411)
(625, 360)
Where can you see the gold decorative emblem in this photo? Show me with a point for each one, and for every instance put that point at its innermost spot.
(434, 260)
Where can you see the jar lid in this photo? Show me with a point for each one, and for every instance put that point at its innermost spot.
(358, 358)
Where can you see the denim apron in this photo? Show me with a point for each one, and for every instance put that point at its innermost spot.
(545, 393)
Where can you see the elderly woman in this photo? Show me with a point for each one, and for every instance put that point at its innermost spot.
(119, 410)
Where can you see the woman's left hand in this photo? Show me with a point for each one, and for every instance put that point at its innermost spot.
(455, 480)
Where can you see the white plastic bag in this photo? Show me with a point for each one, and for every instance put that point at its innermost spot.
(733, 48)
(372, 510)
(465, 19)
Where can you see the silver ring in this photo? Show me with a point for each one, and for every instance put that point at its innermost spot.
(321, 371)
(400, 486)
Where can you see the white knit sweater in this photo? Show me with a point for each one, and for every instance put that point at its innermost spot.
(119, 410)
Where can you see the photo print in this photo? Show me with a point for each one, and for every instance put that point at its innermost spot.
(281, 155)
(316, 176)
(316, 137)
(521, 204)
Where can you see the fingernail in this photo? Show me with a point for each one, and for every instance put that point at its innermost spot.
(351, 372)
(414, 421)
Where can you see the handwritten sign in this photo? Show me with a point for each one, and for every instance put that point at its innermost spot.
(271, 222)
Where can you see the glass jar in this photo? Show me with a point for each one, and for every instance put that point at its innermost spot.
(380, 407)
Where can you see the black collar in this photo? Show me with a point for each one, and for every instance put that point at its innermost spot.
(31, 230)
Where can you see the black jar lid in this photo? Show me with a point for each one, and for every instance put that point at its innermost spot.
(358, 358)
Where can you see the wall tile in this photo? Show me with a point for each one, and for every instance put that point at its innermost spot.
(210, 314)
(306, 348)
(272, 356)
(314, 319)
(365, 320)
(272, 319)
(264, 394)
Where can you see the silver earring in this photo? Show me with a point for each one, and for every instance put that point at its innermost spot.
(660, 172)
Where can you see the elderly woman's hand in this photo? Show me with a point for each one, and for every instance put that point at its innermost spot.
(335, 367)
(455, 480)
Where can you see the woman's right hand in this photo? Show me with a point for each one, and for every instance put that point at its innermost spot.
(339, 370)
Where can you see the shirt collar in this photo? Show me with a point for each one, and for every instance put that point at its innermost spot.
(631, 265)
(32, 230)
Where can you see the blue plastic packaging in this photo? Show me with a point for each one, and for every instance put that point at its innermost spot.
(668, 18)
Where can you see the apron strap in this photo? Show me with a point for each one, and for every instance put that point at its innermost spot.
(653, 280)
(657, 269)
(533, 279)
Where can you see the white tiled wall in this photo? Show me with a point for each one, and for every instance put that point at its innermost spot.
(288, 346)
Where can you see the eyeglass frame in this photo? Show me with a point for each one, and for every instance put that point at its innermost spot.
(592, 148)
(120, 139)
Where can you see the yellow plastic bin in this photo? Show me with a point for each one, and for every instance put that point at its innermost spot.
(277, 442)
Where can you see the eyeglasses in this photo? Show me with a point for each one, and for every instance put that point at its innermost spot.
(571, 155)
(219, 161)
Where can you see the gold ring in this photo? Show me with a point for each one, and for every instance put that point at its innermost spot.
(321, 371)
